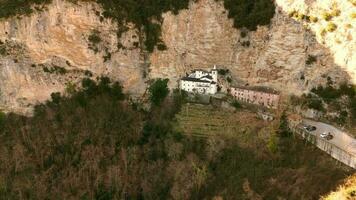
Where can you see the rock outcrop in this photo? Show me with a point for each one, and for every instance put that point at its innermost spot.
(57, 38)
(333, 24)
(47, 50)
(273, 56)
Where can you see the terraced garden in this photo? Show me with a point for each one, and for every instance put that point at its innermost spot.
(205, 120)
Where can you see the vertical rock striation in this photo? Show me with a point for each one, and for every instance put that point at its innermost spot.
(47, 50)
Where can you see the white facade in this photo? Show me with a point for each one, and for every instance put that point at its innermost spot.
(201, 82)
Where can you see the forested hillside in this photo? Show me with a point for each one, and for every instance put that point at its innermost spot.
(98, 144)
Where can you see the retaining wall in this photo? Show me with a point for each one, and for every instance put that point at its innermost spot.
(335, 152)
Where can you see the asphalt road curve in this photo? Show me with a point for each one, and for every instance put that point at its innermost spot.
(340, 138)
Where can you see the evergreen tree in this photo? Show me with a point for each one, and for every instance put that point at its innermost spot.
(158, 91)
(284, 130)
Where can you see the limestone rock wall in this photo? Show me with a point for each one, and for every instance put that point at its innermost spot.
(203, 36)
(43, 44)
(58, 36)
(340, 14)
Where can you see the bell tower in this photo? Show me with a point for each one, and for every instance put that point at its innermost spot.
(214, 74)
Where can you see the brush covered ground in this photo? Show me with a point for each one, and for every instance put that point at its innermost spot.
(346, 191)
(245, 167)
(95, 143)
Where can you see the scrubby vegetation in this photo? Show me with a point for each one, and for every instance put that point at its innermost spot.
(9, 8)
(302, 17)
(223, 72)
(158, 91)
(250, 13)
(94, 40)
(146, 15)
(236, 104)
(3, 49)
(55, 69)
(326, 16)
(238, 147)
(344, 192)
(341, 99)
(95, 144)
(311, 59)
(331, 27)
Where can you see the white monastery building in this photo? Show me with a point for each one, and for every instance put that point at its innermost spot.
(201, 82)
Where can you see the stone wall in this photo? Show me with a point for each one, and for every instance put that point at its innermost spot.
(334, 151)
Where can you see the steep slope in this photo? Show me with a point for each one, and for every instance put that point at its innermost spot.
(58, 37)
(276, 56)
(345, 191)
(47, 50)
(333, 23)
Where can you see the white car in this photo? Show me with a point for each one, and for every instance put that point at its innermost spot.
(327, 136)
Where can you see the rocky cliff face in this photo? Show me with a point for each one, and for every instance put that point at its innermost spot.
(333, 24)
(276, 56)
(51, 49)
(47, 50)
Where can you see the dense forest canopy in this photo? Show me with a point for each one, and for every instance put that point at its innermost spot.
(98, 144)
(10, 8)
(250, 13)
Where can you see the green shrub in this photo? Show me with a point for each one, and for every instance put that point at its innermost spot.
(342, 118)
(335, 13)
(272, 144)
(9, 8)
(243, 34)
(162, 47)
(353, 108)
(107, 56)
(3, 49)
(313, 102)
(88, 73)
(300, 16)
(292, 13)
(327, 93)
(223, 72)
(141, 13)
(331, 27)
(2, 120)
(236, 105)
(45, 69)
(326, 16)
(94, 39)
(330, 93)
(158, 91)
(310, 60)
(246, 43)
(283, 129)
(314, 19)
(250, 13)
(55, 69)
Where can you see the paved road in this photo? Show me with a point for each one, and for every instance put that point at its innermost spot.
(340, 139)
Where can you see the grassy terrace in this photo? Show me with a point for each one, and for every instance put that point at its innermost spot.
(205, 120)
